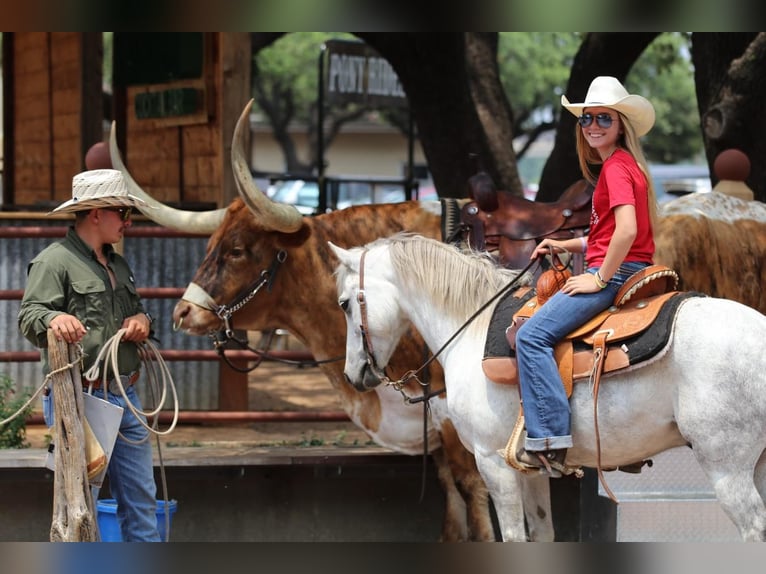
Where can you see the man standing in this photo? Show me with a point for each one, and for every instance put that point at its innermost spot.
(83, 290)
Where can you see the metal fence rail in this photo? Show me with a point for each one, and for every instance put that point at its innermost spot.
(160, 257)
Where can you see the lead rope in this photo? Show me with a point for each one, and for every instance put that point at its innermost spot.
(44, 384)
(156, 369)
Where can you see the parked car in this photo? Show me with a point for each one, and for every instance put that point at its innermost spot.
(304, 194)
(674, 180)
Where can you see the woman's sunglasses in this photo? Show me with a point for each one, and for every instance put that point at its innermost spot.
(124, 212)
(603, 120)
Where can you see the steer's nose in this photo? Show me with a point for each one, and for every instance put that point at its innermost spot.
(180, 313)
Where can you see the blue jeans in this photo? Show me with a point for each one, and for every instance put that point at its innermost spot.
(131, 474)
(546, 407)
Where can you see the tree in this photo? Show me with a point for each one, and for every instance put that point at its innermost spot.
(457, 102)
(665, 74)
(460, 109)
(534, 66)
(285, 83)
(611, 54)
(730, 87)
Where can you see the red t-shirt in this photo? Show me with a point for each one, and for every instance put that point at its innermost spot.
(621, 183)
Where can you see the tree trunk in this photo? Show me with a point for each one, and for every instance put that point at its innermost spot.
(493, 110)
(729, 80)
(73, 516)
(601, 54)
(441, 74)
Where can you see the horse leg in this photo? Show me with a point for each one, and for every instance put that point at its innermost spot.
(454, 526)
(735, 488)
(760, 476)
(469, 483)
(505, 488)
(536, 492)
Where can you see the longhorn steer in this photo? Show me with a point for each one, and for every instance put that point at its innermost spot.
(717, 245)
(247, 237)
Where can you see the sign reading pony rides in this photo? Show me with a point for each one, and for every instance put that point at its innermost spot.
(357, 73)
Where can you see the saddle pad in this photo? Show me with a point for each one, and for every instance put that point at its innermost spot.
(501, 368)
(656, 337)
(496, 344)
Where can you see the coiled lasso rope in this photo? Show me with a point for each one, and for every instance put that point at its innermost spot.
(156, 370)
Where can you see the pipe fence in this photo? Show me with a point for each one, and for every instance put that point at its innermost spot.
(146, 261)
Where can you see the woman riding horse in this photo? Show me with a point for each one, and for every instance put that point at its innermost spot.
(620, 242)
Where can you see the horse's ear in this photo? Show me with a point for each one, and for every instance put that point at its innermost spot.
(343, 255)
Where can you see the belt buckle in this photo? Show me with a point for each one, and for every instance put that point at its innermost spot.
(128, 381)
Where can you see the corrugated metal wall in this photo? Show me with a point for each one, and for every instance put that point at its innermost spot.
(156, 262)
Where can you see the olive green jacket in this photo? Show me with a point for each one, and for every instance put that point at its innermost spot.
(66, 277)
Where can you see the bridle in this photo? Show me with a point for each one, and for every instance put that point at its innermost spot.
(425, 382)
(197, 295)
(413, 374)
(364, 327)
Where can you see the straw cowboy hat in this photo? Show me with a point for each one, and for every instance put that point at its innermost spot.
(608, 92)
(99, 188)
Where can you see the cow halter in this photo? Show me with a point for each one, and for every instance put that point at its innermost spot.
(197, 295)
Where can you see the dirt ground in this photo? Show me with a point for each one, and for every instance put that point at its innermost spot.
(272, 387)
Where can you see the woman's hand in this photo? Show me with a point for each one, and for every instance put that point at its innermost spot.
(545, 246)
(583, 283)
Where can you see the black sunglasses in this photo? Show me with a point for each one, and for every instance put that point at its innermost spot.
(125, 212)
(603, 120)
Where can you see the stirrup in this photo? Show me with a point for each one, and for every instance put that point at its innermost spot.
(550, 462)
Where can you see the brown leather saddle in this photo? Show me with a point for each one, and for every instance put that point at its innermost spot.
(496, 220)
(595, 347)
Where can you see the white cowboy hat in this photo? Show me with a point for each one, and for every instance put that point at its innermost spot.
(99, 188)
(608, 92)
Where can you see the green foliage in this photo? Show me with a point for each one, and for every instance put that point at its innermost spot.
(664, 74)
(288, 69)
(534, 68)
(14, 433)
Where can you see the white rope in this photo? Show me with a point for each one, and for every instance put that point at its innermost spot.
(152, 362)
(43, 385)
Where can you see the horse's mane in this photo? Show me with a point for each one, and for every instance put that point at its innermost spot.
(463, 280)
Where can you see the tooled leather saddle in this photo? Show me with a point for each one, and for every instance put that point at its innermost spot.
(497, 221)
(634, 329)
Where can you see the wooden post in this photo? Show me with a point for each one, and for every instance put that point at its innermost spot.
(73, 516)
(233, 385)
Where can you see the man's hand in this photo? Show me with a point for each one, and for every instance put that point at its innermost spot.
(137, 328)
(67, 328)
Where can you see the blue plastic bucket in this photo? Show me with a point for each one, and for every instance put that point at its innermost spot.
(106, 516)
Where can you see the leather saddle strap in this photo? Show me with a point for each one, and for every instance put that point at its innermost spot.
(599, 359)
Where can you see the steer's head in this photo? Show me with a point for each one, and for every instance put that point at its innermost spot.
(245, 239)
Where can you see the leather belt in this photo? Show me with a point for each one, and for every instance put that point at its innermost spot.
(127, 381)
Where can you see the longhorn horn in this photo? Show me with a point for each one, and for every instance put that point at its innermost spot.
(203, 222)
(270, 214)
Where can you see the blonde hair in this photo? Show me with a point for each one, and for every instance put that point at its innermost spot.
(628, 140)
